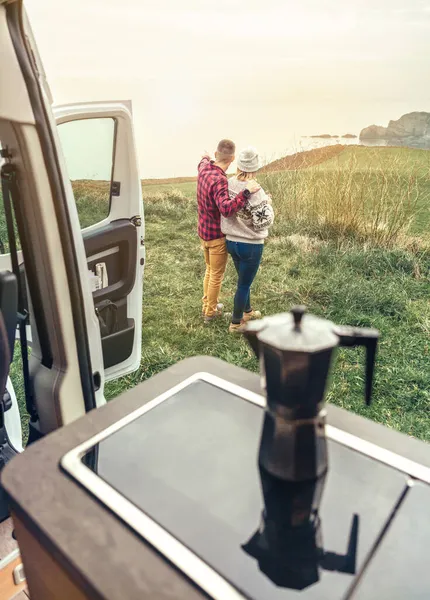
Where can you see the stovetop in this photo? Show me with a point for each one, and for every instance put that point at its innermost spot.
(190, 465)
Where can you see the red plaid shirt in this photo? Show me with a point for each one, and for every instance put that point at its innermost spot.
(213, 200)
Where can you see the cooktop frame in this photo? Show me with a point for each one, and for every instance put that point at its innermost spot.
(182, 557)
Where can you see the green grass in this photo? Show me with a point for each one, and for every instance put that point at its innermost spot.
(349, 279)
(188, 188)
(92, 201)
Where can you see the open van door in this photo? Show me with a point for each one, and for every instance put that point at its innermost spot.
(80, 187)
(98, 146)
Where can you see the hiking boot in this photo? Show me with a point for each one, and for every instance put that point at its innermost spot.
(252, 315)
(207, 320)
(236, 327)
(218, 312)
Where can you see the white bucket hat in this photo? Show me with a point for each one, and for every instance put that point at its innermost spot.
(249, 160)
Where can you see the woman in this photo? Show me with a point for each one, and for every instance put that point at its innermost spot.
(245, 232)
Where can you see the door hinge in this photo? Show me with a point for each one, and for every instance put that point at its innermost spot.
(136, 220)
(6, 402)
(19, 574)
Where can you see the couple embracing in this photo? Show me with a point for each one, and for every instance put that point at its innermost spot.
(233, 218)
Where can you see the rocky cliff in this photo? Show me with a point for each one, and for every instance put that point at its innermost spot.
(373, 132)
(412, 129)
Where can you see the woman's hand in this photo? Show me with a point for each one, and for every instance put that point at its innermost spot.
(252, 186)
(269, 198)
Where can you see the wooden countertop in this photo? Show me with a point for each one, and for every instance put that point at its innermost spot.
(97, 550)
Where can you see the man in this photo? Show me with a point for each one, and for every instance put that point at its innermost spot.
(213, 201)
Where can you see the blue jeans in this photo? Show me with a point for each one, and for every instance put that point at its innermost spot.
(246, 258)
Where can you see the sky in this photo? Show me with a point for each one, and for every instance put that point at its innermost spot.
(262, 73)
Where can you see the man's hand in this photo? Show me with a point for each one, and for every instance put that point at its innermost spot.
(252, 186)
(206, 155)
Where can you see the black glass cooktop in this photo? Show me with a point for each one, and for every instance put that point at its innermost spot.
(190, 463)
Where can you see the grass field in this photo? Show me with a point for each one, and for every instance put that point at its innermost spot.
(350, 277)
(404, 160)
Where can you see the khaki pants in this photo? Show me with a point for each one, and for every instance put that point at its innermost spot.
(215, 252)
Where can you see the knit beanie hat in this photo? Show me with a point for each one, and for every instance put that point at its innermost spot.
(248, 160)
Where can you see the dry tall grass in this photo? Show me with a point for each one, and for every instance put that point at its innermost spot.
(371, 203)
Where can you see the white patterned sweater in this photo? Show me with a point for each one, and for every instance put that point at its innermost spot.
(250, 225)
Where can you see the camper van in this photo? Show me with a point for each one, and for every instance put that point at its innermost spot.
(205, 481)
